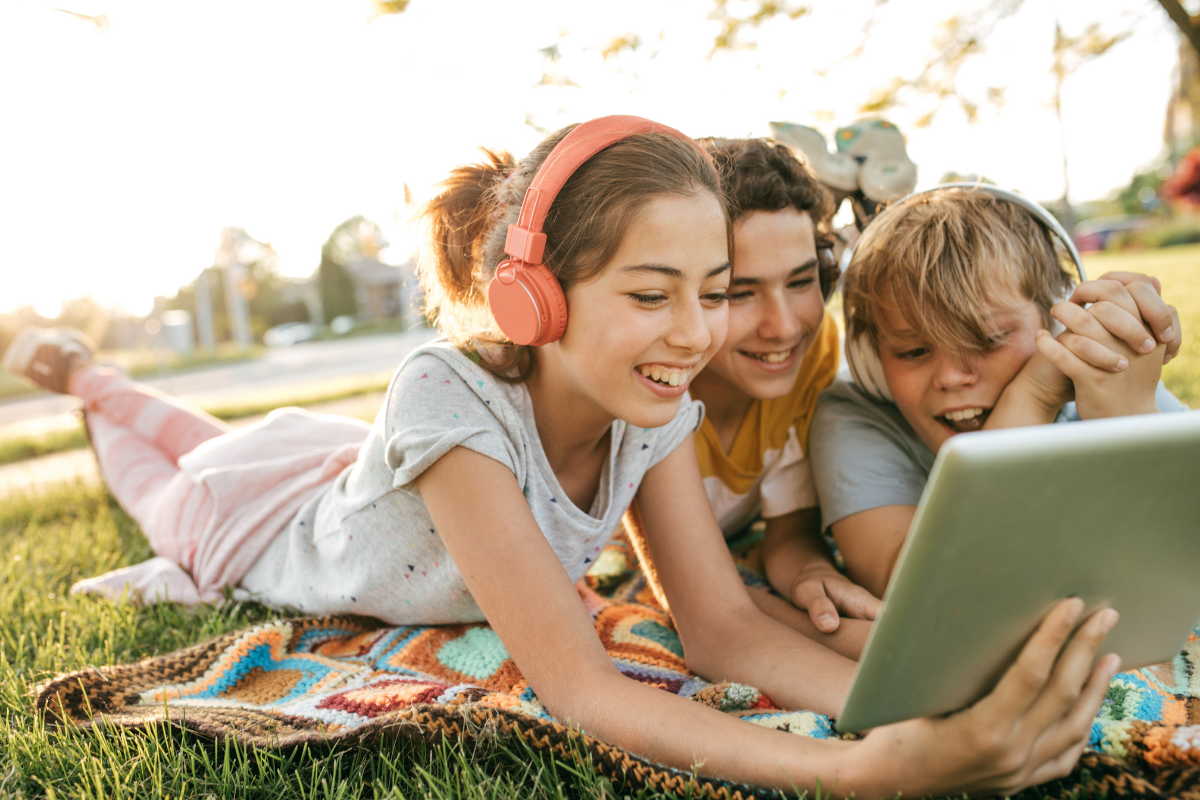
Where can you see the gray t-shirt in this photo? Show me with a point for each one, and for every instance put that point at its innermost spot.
(366, 544)
(865, 455)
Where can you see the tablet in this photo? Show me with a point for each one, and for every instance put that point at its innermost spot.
(1011, 522)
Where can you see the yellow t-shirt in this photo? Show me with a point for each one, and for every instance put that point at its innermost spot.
(767, 469)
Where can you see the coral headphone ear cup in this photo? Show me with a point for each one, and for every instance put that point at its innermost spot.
(527, 303)
(866, 369)
(552, 303)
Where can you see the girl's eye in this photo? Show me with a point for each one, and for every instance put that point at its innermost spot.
(715, 298)
(914, 354)
(647, 299)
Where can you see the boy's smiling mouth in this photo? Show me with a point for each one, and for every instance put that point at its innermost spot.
(964, 420)
(772, 358)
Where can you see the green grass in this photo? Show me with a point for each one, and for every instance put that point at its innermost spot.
(19, 448)
(1178, 268)
(50, 540)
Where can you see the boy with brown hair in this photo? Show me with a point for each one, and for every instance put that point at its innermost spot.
(948, 299)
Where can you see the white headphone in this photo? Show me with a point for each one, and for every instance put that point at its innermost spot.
(861, 355)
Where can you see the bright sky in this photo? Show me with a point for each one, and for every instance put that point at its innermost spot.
(125, 152)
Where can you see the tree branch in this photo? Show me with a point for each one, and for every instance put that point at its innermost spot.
(1182, 21)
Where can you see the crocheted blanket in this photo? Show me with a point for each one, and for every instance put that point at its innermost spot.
(349, 679)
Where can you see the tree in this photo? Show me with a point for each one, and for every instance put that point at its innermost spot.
(356, 238)
(1071, 53)
(955, 41)
(268, 295)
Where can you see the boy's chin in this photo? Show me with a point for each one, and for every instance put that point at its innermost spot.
(935, 435)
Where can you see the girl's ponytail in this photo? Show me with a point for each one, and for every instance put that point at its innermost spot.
(458, 221)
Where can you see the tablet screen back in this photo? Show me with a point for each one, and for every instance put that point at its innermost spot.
(1013, 521)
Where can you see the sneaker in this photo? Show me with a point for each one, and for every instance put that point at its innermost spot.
(45, 355)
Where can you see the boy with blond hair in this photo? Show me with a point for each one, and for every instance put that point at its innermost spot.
(948, 301)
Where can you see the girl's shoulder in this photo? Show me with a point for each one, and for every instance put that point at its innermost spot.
(438, 384)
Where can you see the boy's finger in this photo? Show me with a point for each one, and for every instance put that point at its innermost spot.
(1072, 674)
(853, 600)
(1154, 311)
(1092, 353)
(1060, 357)
(821, 610)
(1095, 322)
(1106, 323)
(1129, 278)
(1099, 290)
(1177, 340)
(1021, 686)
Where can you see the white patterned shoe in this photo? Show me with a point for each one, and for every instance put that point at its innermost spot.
(46, 355)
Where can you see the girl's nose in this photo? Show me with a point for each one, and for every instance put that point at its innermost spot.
(689, 328)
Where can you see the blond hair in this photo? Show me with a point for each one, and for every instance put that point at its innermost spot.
(944, 260)
(466, 224)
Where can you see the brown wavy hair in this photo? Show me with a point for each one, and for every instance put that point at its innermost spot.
(759, 175)
(467, 221)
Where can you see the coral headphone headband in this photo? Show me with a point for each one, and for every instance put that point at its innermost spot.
(525, 240)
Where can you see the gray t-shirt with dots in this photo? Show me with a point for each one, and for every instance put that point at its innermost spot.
(366, 543)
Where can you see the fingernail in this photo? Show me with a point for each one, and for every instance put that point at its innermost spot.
(1148, 345)
(1076, 609)
(1121, 364)
(1107, 620)
(1167, 335)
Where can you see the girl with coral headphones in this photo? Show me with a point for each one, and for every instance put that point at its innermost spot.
(557, 402)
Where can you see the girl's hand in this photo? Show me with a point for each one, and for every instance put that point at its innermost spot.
(1032, 728)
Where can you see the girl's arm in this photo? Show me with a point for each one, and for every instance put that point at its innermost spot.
(523, 590)
(1030, 729)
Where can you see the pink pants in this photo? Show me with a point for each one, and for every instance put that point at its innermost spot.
(210, 500)
(139, 435)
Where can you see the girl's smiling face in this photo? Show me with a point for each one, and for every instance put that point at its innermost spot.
(941, 393)
(775, 303)
(640, 330)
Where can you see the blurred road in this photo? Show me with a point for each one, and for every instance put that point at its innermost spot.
(301, 368)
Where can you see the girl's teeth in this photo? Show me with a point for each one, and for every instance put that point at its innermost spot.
(665, 376)
(966, 413)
